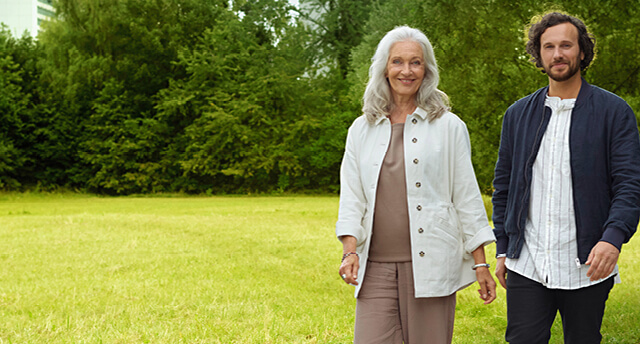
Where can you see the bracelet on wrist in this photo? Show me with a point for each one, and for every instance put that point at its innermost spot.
(344, 256)
(486, 265)
(501, 255)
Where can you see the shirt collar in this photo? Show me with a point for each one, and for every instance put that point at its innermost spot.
(557, 104)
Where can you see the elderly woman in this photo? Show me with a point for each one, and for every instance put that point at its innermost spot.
(411, 221)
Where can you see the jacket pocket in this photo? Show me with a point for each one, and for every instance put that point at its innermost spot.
(446, 231)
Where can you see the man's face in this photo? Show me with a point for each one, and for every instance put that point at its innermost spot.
(560, 52)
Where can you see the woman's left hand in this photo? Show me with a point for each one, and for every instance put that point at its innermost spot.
(487, 285)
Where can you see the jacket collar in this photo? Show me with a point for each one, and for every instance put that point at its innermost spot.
(419, 112)
(585, 92)
(379, 119)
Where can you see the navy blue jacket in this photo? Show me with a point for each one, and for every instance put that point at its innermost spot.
(605, 167)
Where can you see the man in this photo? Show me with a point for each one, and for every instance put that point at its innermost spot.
(567, 191)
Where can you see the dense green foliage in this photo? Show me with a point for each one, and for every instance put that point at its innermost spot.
(137, 96)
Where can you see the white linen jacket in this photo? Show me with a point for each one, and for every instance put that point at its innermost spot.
(447, 218)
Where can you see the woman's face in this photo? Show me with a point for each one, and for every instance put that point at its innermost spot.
(405, 68)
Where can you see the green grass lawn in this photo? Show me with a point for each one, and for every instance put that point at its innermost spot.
(86, 269)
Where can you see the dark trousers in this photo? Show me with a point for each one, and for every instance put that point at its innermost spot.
(532, 308)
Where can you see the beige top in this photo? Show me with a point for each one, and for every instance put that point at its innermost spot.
(390, 241)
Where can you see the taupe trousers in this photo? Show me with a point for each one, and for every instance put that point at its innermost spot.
(388, 313)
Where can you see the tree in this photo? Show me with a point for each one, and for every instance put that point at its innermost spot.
(137, 96)
(249, 111)
(112, 58)
(338, 27)
(17, 90)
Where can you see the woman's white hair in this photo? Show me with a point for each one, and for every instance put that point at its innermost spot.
(377, 100)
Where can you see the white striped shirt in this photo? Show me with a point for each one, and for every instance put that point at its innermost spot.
(550, 251)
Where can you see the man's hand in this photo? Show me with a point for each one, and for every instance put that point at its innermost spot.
(602, 260)
(487, 289)
(501, 272)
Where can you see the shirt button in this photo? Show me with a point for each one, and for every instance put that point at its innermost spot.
(418, 184)
(421, 253)
(415, 161)
(414, 121)
(419, 207)
(414, 140)
(420, 230)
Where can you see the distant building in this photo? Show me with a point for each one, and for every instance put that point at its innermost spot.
(25, 15)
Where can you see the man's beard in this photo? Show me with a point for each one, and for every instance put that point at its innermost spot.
(573, 69)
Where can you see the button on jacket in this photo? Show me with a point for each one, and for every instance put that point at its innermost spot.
(447, 219)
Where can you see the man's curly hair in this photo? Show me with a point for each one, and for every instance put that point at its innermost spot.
(585, 39)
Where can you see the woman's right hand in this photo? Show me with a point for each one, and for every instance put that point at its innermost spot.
(351, 263)
(349, 269)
